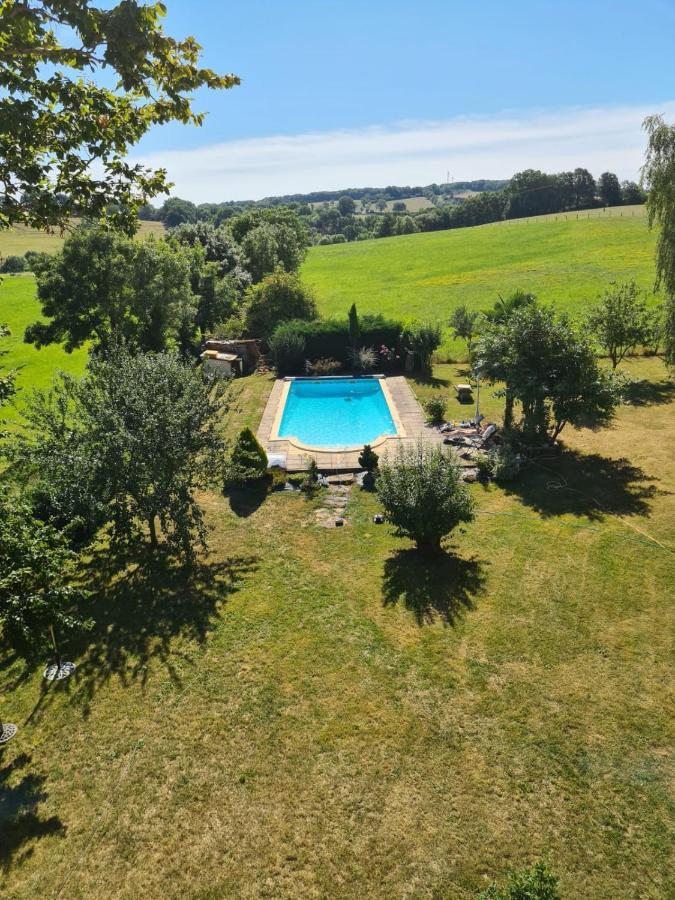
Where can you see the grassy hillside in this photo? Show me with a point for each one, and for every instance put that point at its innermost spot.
(17, 241)
(566, 262)
(18, 308)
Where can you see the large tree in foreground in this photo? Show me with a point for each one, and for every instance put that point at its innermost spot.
(142, 432)
(550, 369)
(80, 84)
(658, 176)
(38, 604)
(423, 495)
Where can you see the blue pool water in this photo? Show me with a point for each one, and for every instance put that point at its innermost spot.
(336, 412)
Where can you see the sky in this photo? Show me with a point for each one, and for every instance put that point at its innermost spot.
(376, 92)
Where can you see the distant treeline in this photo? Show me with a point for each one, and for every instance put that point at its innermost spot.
(333, 216)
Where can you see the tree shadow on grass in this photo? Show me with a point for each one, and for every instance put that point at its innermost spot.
(140, 603)
(649, 393)
(20, 821)
(245, 500)
(429, 380)
(585, 485)
(440, 587)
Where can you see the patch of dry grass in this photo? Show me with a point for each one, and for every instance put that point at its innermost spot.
(315, 713)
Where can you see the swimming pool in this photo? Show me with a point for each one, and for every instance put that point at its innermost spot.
(336, 413)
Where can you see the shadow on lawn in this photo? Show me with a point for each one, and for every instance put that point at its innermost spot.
(429, 380)
(649, 393)
(244, 501)
(20, 819)
(585, 485)
(432, 587)
(139, 604)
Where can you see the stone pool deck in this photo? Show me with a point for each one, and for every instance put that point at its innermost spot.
(410, 412)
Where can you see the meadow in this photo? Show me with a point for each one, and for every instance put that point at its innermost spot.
(16, 241)
(564, 261)
(317, 712)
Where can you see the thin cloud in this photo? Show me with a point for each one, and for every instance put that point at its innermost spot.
(412, 153)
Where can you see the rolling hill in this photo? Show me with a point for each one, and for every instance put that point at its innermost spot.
(564, 260)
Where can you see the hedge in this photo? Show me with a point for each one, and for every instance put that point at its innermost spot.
(329, 338)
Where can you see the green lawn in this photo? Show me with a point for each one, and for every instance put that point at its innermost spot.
(315, 713)
(18, 308)
(566, 262)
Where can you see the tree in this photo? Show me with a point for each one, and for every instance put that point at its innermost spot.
(505, 306)
(65, 134)
(550, 370)
(175, 212)
(620, 321)
(463, 323)
(287, 346)
(631, 193)
(7, 379)
(583, 185)
(423, 495)
(658, 176)
(609, 189)
(248, 460)
(354, 327)
(423, 338)
(13, 264)
(279, 297)
(144, 432)
(106, 287)
(346, 206)
(399, 206)
(37, 603)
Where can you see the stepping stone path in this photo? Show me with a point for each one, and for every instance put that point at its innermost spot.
(334, 504)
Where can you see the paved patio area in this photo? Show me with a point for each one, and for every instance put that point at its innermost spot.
(410, 412)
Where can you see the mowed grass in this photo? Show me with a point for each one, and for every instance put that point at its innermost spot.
(425, 276)
(318, 713)
(16, 241)
(19, 307)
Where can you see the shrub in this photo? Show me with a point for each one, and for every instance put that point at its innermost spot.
(368, 459)
(279, 297)
(423, 495)
(323, 367)
(13, 264)
(423, 338)
(248, 460)
(535, 883)
(329, 338)
(311, 480)
(287, 346)
(504, 464)
(435, 408)
(363, 359)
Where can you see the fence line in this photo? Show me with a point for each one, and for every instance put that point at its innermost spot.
(611, 212)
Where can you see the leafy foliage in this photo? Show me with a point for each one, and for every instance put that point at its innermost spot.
(535, 883)
(58, 119)
(106, 287)
(464, 325)
(423, 338)
(287, 346)
(505, 306)
(423, 495)
(13, 264)
(435, 408)
(550, 370)
(280, 297)
(368, 459)
(7, 379)
(362, 359)
(658, 175)
(142, 432)
(354, 327)
(620, 320)
(36, 567)
(248, 460)
(323, 367)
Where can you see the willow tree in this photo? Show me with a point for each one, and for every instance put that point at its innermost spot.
(658, 177)
(79, 86)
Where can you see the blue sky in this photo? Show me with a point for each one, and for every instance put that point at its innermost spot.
(385, 91)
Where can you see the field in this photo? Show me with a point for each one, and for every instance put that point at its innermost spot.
(316, 713)
(18, 308)
(17, 241)
(424, 276)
